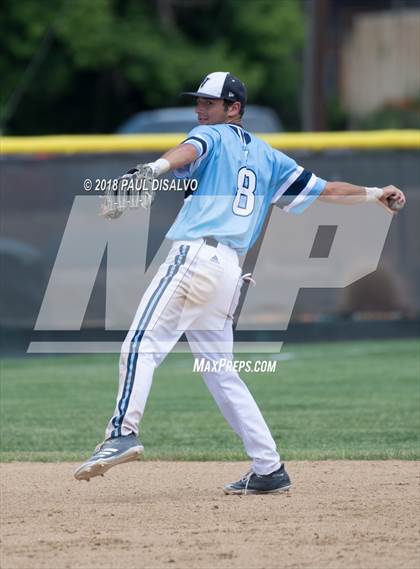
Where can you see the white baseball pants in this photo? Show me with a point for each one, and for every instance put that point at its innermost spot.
(195, 291)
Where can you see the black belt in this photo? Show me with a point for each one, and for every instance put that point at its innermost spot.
(211, 241)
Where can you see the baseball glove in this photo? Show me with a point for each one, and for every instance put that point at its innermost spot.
(132, 190)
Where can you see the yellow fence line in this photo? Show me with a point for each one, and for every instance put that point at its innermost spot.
(65, 144)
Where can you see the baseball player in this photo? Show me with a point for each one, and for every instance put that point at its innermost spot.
(197, 288)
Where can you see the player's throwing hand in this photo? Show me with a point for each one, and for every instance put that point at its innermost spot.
(393, 199)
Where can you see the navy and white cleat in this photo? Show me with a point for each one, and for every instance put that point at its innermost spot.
(108, 454)
(252, 483)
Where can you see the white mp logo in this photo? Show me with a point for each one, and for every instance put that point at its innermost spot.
(283, 267)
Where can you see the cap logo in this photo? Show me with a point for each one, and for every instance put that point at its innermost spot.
(231, 94)
(203, 83)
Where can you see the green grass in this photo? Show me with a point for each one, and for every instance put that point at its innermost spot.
(353, 400)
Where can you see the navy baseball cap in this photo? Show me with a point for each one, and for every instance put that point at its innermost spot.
(221, 85)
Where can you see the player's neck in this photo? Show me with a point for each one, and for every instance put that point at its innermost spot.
(235, 121)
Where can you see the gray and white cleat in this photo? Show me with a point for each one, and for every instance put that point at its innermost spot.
(108, 454)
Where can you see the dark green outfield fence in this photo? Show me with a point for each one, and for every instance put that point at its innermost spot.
(40, 178)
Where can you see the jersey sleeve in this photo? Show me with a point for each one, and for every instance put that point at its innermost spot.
(294, 187)
(203, 138)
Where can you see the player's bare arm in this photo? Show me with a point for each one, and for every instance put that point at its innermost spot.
(390, 197)
(177, 157)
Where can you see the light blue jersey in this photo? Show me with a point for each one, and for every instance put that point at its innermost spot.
(238, 178)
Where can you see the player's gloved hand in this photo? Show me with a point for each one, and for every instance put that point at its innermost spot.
(141, 188)
(143, 177)
(112, 205)
(131, 190)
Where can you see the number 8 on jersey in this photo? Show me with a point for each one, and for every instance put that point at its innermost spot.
(244, 201)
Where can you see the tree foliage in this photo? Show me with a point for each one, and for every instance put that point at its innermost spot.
(86, 65)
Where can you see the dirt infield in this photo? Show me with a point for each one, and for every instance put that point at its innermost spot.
(173, 514)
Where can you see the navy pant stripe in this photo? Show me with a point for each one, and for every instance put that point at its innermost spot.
(138, 335)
